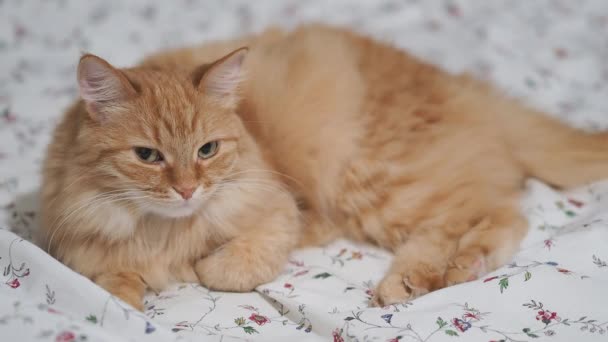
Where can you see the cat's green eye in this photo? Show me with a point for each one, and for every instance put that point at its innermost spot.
(208, 150)
(148, 155)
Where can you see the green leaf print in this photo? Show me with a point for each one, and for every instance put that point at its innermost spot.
(250, 330)
(441, 323)
(503, 283)
(322, 275)
(451, 333)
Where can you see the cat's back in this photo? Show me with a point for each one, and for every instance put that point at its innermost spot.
(346, 115)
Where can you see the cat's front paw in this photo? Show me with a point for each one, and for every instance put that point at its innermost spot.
(400, 287)
(234, 270)
(128, 286)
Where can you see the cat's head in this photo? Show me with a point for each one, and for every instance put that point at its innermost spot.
(161, 140)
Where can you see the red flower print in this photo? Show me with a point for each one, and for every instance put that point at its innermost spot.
(301, 273)
(258, 319)
(369, 292)
(546, 316)
(489, 279)
(563, 270)
(575, 203)
(288, 286)
(13, 283)
(471, 315)
(66, 336)
(549, 243)
(461, 325)
(394, 339)
(337, 334)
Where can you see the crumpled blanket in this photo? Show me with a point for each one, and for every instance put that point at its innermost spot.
(549, 53)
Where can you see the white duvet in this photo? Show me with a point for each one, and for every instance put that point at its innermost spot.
(550, 53)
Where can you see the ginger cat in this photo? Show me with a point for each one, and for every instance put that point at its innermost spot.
(153, 178)
(373, 144)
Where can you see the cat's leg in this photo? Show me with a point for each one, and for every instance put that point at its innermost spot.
(128, 286)
(418, 267)
(254, 257)
(488, 245)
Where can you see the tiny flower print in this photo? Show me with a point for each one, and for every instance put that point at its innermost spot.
(258, 319)
(65, 336)
(13, 283)
(301, 273)
(149, 328)
(461, 325)
(546, 316)
(387, 318)
(471, 315)
(337, 335)
(288, 286)
(240, 321)
(575, 203)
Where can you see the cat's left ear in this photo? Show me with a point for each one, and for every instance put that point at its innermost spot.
(223, 77)
(102, 87)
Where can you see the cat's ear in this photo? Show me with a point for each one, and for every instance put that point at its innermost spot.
(101, 85)
(222, 78)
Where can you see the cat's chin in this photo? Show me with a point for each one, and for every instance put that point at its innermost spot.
(185, 210)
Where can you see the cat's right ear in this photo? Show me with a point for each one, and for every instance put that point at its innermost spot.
(102, 86)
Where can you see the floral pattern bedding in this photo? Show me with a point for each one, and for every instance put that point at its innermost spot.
(550, 53)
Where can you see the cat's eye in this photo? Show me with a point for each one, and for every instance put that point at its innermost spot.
(148, 155)
(208, 150)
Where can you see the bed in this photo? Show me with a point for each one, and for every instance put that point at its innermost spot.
(550, 54)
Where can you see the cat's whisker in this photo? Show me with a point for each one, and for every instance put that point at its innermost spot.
(110, 200)
(88, 202)
(270, 172)
(55, 228)
(252, 184)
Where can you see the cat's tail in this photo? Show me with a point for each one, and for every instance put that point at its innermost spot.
(552, 151)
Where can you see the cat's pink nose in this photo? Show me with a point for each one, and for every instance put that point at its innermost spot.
(186, 192)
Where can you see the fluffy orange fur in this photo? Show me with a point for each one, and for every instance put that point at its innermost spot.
(373, 144)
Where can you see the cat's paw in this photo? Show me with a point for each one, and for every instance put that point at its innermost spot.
(398, 287)
(127, 286)
(466, 267)
(234, 270)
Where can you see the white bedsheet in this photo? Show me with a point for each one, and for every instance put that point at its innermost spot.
(550, 53)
